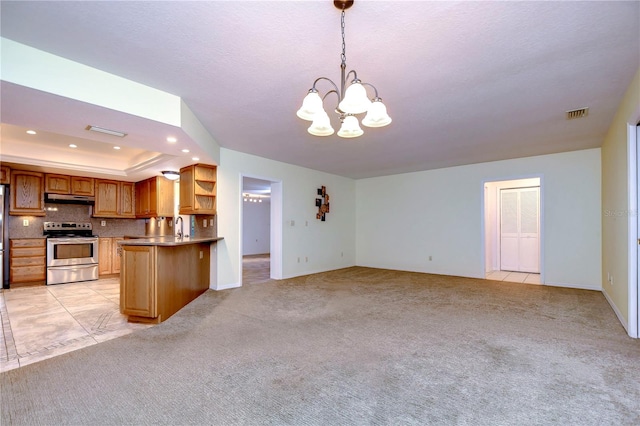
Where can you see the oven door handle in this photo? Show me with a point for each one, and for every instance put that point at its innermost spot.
(73, 267)
(54, 241)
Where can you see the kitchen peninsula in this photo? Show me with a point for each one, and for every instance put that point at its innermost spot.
(160, 275)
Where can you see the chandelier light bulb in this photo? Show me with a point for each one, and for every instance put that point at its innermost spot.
(321, 125)
(355, 99)
(311, 105)
(350, 128)
(377, 115)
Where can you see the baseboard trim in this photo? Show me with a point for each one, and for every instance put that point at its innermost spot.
(226, 286)
(578, 286)
(616, 311)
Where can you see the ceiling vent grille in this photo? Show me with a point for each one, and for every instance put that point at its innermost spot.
(577, 113)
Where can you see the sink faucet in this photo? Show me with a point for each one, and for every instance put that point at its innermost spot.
(179, 231)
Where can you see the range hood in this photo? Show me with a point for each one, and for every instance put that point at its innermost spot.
(69, 199)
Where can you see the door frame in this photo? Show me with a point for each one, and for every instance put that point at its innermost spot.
(275, 232)
(633, 151)
(485, 206)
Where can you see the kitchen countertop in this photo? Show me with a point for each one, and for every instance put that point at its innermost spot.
(166, 241)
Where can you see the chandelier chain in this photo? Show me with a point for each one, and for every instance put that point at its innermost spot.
(344, 46)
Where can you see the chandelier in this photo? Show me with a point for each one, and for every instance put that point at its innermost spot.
(351, 102)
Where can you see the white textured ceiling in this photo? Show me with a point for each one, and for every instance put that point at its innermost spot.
(465, 82)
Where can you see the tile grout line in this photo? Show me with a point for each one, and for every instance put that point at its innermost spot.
(8, 341)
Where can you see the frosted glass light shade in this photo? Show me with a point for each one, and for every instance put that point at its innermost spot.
(311, 105)
(377, 115)
(321, 125)
(350, 128)
(355, 100)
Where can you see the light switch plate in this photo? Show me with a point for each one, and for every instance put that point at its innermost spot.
(25, 222)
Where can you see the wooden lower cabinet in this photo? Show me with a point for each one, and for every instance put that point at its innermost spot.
(138, 282)
(108, 255)
(27, 263)
(158, 281)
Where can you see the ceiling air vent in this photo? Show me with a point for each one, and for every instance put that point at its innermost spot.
(577, 113)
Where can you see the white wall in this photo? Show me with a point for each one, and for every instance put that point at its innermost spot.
(401, 220)
(619, 246)
(256, 225)
(327, 245)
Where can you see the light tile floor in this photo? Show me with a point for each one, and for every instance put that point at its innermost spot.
(45, 321)
(514, 277)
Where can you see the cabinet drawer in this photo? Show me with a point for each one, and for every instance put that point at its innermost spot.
(28, 252)
(27, 273)
(27, 261)
(28, 242)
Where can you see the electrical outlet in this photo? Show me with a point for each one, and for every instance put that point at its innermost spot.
(103, 223)
(25, 222)
(211, 222)
(341, 254)
(306, 259)
(430, 258)
(204, 223)
(298, 260)
(293, 223)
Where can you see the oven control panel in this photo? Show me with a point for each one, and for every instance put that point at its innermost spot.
(67, 226)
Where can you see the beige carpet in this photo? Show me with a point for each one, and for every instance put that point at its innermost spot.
(355, 346)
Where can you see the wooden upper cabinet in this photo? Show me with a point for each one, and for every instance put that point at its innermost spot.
(127, 199)
(154, 198)
(27, 193)
(57, 184)
(114, 199)
(5, 175)
(106, 198)
(198, 189)
(82, 186)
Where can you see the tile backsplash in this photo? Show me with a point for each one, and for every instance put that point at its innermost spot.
(193, 225)
(73, 213)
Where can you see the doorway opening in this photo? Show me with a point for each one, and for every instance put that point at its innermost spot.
(513, 231)
(260, 248)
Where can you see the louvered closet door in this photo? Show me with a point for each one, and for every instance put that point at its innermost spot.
(520, 230)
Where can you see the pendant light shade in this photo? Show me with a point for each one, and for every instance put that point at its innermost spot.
(321, 125)
(171, 174)
(355, 99)
(311, 105)
(377, 115)
(350, 128)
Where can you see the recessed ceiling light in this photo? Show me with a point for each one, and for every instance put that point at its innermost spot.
(106, 131)
(31, 132)
(195, 158)
(73, 145)
(185, 150)
(171, 139)
(116, 147)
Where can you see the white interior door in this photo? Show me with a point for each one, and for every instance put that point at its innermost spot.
(520, 229)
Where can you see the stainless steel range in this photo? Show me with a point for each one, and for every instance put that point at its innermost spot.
(72, 252)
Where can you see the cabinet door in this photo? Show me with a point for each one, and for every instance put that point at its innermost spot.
(138, 281)
(104, 256)
(5, 174)
(106, 198)
(116, 255)
(143, 198)
(127, 199)
(165, 197)
(82, 186)
(57, 184)
(27, 193)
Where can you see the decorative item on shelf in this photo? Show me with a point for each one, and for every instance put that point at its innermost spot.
(322, 203)
(352, 100)
(171, 174)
